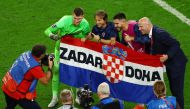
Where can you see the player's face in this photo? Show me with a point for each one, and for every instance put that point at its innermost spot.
(100, 22)
(77, 19)
(117, 24)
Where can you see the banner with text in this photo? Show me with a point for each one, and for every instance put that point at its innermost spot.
(130, 74)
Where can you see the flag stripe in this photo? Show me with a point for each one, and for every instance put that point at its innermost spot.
(68, 76)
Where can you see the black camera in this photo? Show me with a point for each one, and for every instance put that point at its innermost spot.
(85, 97)
(47, 57)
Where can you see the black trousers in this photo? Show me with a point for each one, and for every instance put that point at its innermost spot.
(176, 76)
(24, 103)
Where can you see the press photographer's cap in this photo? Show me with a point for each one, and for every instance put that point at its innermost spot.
(104, 88)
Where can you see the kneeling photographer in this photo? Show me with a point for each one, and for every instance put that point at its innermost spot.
(19, 83)
(106, 102)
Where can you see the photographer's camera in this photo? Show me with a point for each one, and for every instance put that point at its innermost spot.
(47, 57)
(85, 97)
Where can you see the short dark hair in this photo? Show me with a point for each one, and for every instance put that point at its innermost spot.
(38, 50)
(102, 14)
(120, 16)
(78, 11)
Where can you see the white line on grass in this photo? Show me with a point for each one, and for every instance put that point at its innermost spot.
(172, 10)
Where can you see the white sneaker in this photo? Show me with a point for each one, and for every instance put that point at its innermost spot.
(53, 102)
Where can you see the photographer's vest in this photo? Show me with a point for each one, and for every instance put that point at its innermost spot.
(16, 74)
(112, 105)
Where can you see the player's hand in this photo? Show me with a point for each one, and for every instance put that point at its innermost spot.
(83, 39)
(113, 41)
(128, 38)
(96, 37)
(163, 58)
(89, 36)
(54, 37)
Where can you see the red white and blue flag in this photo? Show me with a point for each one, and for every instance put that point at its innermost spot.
(130, 74)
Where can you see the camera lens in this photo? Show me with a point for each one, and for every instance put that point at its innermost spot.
(51, 57)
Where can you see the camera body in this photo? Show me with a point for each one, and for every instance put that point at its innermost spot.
(85, 97)
(47, 57)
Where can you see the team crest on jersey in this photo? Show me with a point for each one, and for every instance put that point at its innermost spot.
(103, 34)
(54, 25)
(113, 68)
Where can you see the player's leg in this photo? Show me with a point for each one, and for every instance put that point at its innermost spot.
(176, 81)
(55, 80)
(29, 104)
(11, 102)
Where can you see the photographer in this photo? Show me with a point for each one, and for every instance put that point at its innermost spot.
(66, 98)
(107, 102)
(20, 81)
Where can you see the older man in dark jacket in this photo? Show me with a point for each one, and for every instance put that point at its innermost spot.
(172, 55)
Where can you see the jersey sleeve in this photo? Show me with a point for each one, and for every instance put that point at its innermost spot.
(51, 30)
(55, 28)
(112, 31)
(37, 72)
(86, 28)
(94, 30)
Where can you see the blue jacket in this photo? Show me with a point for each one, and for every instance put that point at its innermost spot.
(166, 103)
(109, 100)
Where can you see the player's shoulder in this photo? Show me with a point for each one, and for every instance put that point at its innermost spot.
(152, 102)
(84, 21)
(65, 20)
(171, 98)
(110, 24)
(66, 17)
(132, 22)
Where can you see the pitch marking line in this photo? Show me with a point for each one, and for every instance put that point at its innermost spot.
(172, 10)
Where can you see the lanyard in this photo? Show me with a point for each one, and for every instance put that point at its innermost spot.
(168, 103)
(151, 45)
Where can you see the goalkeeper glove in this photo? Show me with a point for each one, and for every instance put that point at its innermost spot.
(54, 37)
